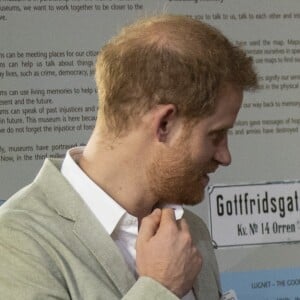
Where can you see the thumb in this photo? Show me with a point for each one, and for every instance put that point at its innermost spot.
(149, 225)
(168, 216)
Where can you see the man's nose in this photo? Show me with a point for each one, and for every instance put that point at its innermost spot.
(222, 155)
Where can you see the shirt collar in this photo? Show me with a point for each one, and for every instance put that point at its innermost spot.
(107, 211)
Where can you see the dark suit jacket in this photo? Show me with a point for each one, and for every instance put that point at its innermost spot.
(53, 247)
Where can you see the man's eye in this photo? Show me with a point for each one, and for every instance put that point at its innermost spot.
(218, 136)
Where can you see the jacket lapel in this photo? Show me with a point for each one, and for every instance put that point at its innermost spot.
(68, 204)
(97, 240)
(196, 289)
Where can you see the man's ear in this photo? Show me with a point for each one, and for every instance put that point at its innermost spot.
(166, 118)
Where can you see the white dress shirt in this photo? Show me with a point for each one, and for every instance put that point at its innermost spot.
(119, 224)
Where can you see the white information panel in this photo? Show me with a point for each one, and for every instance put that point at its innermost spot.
(48, 103)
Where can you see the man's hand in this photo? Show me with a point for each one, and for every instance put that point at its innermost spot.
(165, 252)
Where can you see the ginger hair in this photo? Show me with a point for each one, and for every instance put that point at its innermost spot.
(167, 59)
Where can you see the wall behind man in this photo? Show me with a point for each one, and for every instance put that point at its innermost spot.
(48, 104)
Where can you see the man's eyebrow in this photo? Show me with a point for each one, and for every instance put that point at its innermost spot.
(220, 129)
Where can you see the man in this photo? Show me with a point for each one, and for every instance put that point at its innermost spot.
(97, 225)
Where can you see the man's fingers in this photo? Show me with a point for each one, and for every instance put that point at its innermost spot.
(167, 216)
(183, 225)
(149, 225)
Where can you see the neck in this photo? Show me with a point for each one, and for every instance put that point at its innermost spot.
(118, 168)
